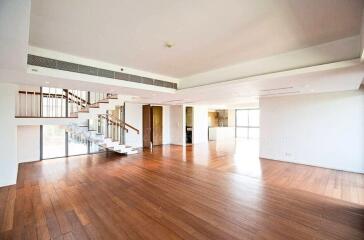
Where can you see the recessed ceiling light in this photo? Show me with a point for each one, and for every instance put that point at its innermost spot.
(46, 82)
(168, 45)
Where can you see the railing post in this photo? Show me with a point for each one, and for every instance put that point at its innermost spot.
(34, 104)
(99, 124)
(66, 91)
(61, 98)
(107, 124)
(41, 102)
(26, 103)
(48, 101)
(54, 103)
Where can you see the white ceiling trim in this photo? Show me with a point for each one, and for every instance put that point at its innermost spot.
(336, 51)
(295, 72)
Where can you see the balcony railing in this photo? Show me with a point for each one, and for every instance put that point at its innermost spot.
(56, 102)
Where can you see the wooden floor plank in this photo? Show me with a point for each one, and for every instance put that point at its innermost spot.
(199, 192)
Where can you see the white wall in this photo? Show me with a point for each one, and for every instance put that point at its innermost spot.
(166, 125)
(134, 117)
(200, 124)
(177, 124)
(325, 130)
(8, 140)
(14, 34)
(28, 143)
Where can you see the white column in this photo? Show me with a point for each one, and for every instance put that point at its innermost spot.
(8, 137)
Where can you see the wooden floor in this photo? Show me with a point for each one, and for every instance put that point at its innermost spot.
(201, 192)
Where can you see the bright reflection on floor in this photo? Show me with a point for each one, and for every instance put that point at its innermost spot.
(246, 157)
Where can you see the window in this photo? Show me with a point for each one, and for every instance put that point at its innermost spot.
(247, 123)
(58, 143)
(77, 144)
(54, 141)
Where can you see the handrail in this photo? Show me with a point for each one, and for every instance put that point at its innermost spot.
(120, 121)
(57, 95)
(114, 122)
(77, 97)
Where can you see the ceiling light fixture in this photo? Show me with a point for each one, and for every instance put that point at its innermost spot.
(46, 82)
(168, 45)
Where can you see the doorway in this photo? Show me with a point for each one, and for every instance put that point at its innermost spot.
(189, 125)
(152, 126)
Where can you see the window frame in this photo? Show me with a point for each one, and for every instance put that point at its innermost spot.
(248, 127)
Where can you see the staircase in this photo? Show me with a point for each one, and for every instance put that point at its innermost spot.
(95, 116)
(106, 128)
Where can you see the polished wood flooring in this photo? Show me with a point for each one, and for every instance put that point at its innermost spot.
(198, 192)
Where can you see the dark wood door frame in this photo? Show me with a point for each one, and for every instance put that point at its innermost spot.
(152, 125)
(147, 128)
(157, 125)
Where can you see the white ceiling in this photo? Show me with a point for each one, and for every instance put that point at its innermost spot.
(206, 34)
(328, 28)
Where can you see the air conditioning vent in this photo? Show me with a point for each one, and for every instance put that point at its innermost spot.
(78, 68)
(278, 94)
(276, 89)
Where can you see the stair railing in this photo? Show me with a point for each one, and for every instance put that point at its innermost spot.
(125, 125)
(111, 128)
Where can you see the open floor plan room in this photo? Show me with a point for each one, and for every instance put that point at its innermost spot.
(194, 119)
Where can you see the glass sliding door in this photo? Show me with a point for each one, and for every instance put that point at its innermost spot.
(247, 123)
(54, 141)
(77, 144)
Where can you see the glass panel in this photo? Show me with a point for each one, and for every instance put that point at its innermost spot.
(254, 118)
(76, 144)
(249, 119)
(94, 148)
(254, 133)
(241, 118)
(93, 124)
(54, 141)
(241, 132)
